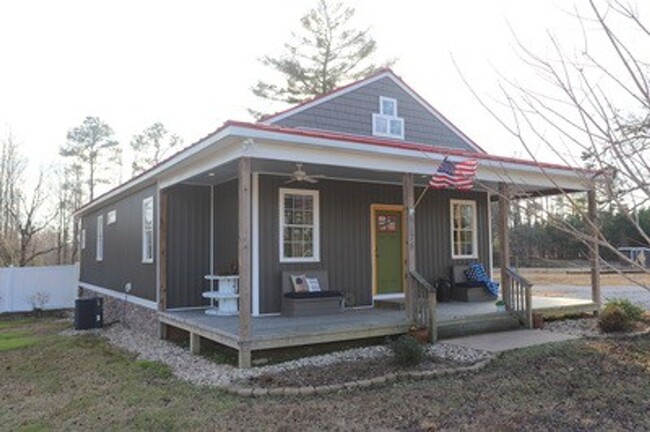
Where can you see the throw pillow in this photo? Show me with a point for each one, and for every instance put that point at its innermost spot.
(476, 272)
(299, 283)
(313, 284)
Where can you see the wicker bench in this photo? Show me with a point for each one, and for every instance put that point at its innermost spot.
(310, 303)
(467, 291)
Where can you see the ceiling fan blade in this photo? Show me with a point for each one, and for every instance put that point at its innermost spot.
(310, 180)
(290, 181)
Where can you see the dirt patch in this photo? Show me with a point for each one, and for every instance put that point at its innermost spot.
(339, 373)
(561, 277)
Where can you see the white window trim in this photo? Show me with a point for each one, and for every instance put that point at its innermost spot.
(111, 217)
(83, 239)
(99, 249)
(472, 203)
(145, 259)
(388, 119)
(381, 106)
(316, 224)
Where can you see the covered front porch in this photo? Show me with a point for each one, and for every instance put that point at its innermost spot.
(236, 195)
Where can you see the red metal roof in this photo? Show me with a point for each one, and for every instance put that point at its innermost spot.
(404, 145)
(358, 139)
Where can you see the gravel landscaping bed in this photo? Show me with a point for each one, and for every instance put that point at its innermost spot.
(438, 356)
(586, 327)
(337, 367)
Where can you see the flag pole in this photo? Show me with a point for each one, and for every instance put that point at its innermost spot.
(420, 197)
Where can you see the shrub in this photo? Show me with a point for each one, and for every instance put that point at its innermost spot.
(407, 351)
(614, 319)
(633, 311)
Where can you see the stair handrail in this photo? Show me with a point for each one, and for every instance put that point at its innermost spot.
(424, 297)
(518, 296)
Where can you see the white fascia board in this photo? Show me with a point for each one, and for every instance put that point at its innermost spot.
(300, 148)
(206, 162)
(152, 175)
(120, 296)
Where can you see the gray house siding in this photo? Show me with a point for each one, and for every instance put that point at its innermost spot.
(352, 113)
(433, 232)
(188, 239)
(345, 236)
(188, 244)
(122, 261)
(226, 226)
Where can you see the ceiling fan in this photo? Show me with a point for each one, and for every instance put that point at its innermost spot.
(300, 175)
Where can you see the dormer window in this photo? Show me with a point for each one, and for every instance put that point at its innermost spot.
(386, 123)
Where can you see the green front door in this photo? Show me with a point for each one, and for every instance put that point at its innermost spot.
(388, 254)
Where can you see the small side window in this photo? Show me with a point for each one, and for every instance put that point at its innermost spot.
(100, 238)
(111, 217)
(82, 240)
(147, 230)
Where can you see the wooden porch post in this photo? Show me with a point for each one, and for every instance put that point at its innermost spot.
(162, 259)
(504, 240)
(594, 252)
(408, 194)
(244, 262)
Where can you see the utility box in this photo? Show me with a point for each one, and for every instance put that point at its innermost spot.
(88, 313)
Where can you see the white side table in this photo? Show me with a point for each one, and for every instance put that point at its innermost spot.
(225, 300)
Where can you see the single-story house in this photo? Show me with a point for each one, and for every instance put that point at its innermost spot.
(335, 188)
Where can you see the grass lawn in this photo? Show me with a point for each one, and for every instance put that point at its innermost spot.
(53, 382)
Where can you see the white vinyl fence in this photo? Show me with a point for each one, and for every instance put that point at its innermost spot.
(24, 288)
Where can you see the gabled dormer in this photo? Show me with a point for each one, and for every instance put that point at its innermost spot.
(381, 106)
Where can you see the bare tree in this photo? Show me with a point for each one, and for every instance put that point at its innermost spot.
(30, 220)
(12, 166)
(598, 101)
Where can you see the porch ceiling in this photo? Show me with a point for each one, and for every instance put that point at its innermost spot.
(228, 172)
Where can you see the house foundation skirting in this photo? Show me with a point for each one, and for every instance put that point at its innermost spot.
(121, 310)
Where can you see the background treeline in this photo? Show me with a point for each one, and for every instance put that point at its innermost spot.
(37, 204)
(540, 232)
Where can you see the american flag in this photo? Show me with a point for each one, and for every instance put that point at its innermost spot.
(458, 175)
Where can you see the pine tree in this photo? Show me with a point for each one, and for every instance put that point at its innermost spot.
(151, 146)
(91, 145)
(325, 54)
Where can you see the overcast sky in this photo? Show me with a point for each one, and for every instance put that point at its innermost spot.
(190, 64)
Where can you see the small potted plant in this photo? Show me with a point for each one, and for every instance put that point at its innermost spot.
(420, 334)
(501, 306)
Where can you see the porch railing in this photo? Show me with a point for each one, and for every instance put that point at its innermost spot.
(518, 295)
(424, 304)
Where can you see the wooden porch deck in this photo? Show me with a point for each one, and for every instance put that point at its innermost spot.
(269, 332)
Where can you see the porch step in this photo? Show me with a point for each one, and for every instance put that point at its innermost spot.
(477, 324)
(391, 304)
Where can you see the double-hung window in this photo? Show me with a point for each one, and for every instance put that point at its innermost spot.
(100, 238)
(299, 226)
(386, 123)
(463, 229)
(147, 230)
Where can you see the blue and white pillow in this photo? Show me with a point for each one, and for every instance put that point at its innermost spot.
(476, 272)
